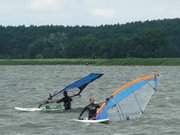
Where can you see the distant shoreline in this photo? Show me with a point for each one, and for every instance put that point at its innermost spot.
(118, 61)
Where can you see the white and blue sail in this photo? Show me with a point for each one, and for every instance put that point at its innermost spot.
(130, 100)
(77, 86)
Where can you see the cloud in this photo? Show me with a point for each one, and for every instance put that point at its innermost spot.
(103, 12)
(46, 5)
(85, 12)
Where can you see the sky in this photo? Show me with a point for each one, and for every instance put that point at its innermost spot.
(85, 12)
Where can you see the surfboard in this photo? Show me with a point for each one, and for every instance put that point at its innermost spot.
(47, 109)
(28, 109)
(43, 109)
(92, 121)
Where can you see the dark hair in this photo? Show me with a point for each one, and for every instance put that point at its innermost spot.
(65, 92)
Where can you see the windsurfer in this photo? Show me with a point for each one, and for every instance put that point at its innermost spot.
(66, 99)
(91, 108)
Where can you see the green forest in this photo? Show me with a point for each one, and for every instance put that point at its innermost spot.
(149, 39)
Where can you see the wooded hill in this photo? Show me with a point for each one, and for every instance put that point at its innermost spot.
(149, 39)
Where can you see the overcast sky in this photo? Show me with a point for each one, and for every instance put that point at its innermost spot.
(85, 12)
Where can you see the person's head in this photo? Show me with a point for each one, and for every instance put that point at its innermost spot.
(92, 100)
(65, 93)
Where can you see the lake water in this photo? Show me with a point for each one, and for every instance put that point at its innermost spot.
(26, 86)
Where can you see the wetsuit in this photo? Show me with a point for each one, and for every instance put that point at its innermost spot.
(91, 108)
(67, 102)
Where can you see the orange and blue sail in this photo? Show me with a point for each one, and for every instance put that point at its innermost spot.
(129, 100)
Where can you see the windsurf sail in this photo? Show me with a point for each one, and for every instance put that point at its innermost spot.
(130, 100)
(78, 86)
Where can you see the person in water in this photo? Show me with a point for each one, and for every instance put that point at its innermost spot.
(66, 99)
(91, 108)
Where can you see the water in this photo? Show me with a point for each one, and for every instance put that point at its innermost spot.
(26, 86)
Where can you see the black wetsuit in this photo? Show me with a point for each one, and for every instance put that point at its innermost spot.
(91, 108)
(67, 102)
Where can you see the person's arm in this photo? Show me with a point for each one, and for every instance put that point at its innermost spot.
(60, 100)
(52, 101)
(47, 102)
(78, 94)
(85, 108)
(97, 106)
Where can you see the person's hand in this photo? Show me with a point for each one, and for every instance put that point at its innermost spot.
(47, 102)
(108, 98)
(39, 105)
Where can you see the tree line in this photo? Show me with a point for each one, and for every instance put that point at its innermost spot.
(149, 39)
